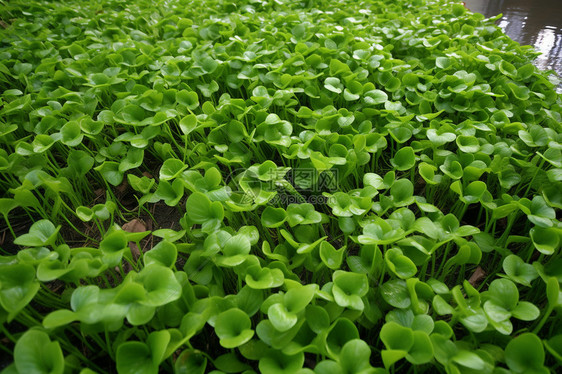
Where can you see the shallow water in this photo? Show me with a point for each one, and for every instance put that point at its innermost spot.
(533, 22)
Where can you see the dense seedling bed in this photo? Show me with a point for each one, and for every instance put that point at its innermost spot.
(275, 186)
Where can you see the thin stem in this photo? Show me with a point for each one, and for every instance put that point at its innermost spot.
(543, 320)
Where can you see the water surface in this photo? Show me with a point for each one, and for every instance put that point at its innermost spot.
(533, 22)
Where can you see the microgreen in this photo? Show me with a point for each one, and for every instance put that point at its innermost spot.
(276, 187)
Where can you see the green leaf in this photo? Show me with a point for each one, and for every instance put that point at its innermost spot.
(525, 311)
(317, 318)
(473, 192)
(58, 318)
(133, 160)
(297, 298)
(109, 170)
(135, 357)
(402, 192)
(71, 134)
(396, 337)
(22, 68)
(330, 256)
(519, 271)
(233, 327)
(190, 362)
(440, 137)
(508, 69)
(380, 233)
(41, 233)
(355, 356)
(504, 293)
(265, 278)
(113, 247)
(171, 169)
(452, 168)
(18, 287)
(201, 210)
(390, 356)
(35, 353)
(421, 351)
(273, 217)
(404, 159)
(333, 84)
(235, 250)
(188, 98)
(442, 62)
(396, 293)
(541, 214)
(525, 353)
(188, 124)
(375, 97)
(80, 162)
(171, 193)
(157, 342)
(6, 206)
(160, 284)
(281, 318)
(164, 253)
(349, 288)
(469, 359)
(42, 143)
(341, 331)
(302, 214)
(399, 264)
(91, 127)
(276, 362)
(230, 363)
(427, 172)
(133, 114)
(546, 240)
(468, 144)
(142, 184)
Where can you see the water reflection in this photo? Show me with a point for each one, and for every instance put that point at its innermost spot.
(534, 22)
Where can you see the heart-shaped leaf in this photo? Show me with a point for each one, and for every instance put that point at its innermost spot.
(164, 253)
(349, 288)
(18, 286)
(233, 327)
(330, 256)
(404, 159)
(273, 217)
(265, 278)
(525, 353)
(518, 271)
(36, 353)
(41, 233)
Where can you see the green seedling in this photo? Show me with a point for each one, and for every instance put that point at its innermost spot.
(233, 328)
(503, 303)
(349, 288)
(35, 352)
(525, 354)
(41, 233)
(285, 313)
(326, 191)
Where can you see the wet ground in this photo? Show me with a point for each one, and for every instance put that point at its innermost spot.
(534, 22)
